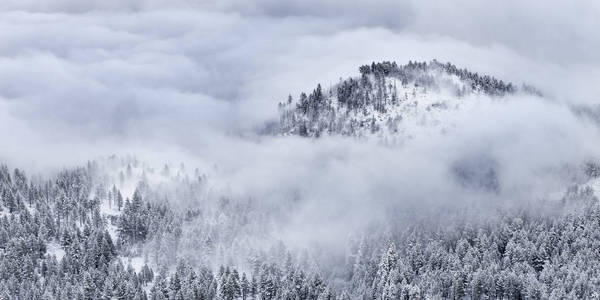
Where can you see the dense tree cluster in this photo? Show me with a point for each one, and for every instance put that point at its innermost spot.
(201, 253)
(363, 105)
(519, 256)
(420, 73)
(59, 212)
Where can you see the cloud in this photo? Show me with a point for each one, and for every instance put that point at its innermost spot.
(533, 148)
(192, 79)
(253, 53)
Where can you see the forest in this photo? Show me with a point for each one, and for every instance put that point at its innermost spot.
(383, 95)
(73, 236)
(299, 150)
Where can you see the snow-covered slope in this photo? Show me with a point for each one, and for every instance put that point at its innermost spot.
(391, 101)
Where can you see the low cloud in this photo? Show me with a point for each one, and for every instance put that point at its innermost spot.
(191, 80)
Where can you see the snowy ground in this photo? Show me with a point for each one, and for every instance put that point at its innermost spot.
(56, 250)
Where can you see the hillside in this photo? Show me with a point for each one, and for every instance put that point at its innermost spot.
(85, 234)
(388, 99)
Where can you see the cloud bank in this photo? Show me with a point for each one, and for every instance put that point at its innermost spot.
(192, 79)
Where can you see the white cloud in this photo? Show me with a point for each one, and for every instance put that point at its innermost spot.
(80, 79)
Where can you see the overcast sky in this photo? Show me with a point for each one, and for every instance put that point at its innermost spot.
(82, 72)
(187, 80)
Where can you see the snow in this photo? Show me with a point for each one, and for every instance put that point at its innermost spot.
(55, 249)
(422, 112)
(112, 230)
(595, 185)
(107, 210)
(418, 112)
(137, 262)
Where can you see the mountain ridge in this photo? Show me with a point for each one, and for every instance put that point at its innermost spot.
(384, 96)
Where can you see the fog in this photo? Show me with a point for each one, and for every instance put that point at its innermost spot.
(192, 81)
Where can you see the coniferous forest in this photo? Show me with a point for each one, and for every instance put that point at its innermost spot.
(73, 235)
(383, 95)
(299, 150)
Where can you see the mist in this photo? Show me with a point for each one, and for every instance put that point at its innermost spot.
(192, 82)
(148, 129)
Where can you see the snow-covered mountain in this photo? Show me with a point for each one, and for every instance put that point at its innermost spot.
(282, 228)
(388, 99)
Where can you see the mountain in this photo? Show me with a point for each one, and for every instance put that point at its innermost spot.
(123, 228)
(388, 99)
(91, 233)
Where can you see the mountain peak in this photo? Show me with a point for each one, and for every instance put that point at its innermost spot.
(384, 96)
